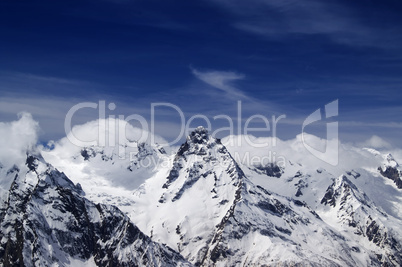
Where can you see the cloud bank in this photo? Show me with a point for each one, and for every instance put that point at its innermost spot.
(17, 137)
(376, 142)
(293, 151)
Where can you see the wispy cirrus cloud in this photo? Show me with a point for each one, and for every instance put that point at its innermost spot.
(336, 20)
(222, 80)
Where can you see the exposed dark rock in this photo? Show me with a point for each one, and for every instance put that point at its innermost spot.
(353, 173)
(270, 169)
(275, 207)
(31, 163)
(299, 203)
(392, 173)
(199, 135)
(144, 150)
(183, 148)
(162, 150)
(355, 249)
(342, 194)
(193, 176)
(300, 185)
(298, 174)
(329, 197)
(173, 174)
(283, 230)
(87, 153)
(373, 232)
(53, 213)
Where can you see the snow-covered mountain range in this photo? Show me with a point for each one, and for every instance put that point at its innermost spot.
(47, 221)
(209, 202)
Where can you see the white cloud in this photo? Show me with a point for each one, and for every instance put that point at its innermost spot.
(376, 142)
(51, 112)
(109, 133)
(112, 138)
(293, 151)
(17, 137)
(221, 80)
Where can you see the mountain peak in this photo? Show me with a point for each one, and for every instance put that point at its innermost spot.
(391, 160)
(199, 135)
(199, 142)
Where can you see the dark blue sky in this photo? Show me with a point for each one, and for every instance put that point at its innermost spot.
(277, 57)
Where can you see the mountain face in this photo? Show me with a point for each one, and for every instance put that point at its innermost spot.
(216, 209)
(391, 170)
(361, 219)
(213, 213)
(110, 174)
(200, 188)
(45, 220)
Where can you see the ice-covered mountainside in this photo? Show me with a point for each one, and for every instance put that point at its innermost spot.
(389, 168)
(108, 174)
(354, 198)
(183, 204)
(231, 203)
(362, 221)
(45, 220)
(213, 213)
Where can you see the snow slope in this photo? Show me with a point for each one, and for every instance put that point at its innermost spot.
(46, 221)
(231, 202)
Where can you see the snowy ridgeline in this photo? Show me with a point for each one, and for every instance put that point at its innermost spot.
(47, 221)
(202, 205)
